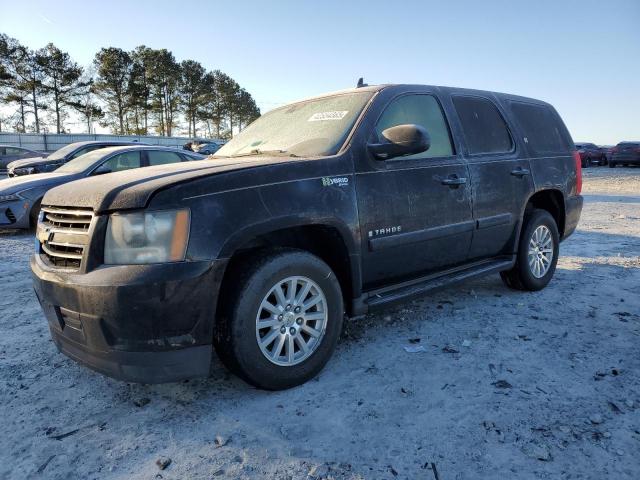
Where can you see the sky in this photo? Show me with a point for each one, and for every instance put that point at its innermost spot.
(581, 56)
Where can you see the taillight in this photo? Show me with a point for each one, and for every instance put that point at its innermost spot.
(576, 157)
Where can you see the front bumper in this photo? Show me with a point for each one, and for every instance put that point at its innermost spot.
(15, 214)
(573, 209)
(139, 323)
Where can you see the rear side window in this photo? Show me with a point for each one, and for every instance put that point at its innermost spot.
(422, 110)
(159, 157)
(485, 131)
(541, 129)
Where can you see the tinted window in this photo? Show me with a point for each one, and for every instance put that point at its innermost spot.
(158, 157)
(84, 150)
(541, 129)
(123, 161)
(422, 110)
(485, 131)
(15, 151)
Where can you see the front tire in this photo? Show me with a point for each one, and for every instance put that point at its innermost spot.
(280, 319)
(33, 215)
(612, 165)
(537, 255)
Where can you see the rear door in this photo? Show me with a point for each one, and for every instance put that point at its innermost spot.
(415, 211)
(500, 175)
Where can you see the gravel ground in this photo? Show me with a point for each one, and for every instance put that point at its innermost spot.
(511, 385)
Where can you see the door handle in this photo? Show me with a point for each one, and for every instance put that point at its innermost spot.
(520, 172)
(453, 180)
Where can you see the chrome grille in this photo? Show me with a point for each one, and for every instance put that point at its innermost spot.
(63, 235)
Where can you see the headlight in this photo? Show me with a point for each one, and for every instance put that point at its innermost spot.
(147, 237)
(24, 171)
(9, 198)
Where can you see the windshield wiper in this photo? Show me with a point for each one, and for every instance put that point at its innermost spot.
(257, 151)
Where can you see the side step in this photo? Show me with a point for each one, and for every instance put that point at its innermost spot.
(403, 291)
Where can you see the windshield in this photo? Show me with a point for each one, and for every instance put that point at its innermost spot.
(309, 128)
(63, 152)
(81, 163)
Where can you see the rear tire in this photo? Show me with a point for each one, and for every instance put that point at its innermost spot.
(267, 298)
(535, 265)
(612, 165)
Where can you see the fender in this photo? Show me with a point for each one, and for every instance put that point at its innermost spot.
(246, 235)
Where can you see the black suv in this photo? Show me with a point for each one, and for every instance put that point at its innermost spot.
(58, 158)
(342, 203)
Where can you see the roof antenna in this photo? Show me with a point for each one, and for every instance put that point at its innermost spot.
(361, 83)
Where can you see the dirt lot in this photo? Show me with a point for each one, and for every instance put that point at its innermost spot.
(512, 385)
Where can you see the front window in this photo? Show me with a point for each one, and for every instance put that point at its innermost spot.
(84, 150)
(422, 110)
(122, 161)
(310, 128)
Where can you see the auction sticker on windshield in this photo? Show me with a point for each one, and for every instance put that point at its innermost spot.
(322, 116)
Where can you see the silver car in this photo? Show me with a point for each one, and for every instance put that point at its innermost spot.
(20, 196)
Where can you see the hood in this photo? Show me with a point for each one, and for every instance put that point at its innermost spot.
(133, 188)
(6, 163)
(32, 162)
(18, 184)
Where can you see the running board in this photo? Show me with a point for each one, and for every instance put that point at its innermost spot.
(403, 291)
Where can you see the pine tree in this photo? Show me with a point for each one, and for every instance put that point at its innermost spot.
(61, 80)
(113, 67)
(22, 79)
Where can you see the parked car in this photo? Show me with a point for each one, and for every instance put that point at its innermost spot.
(625, 153)
(591, 154)
(9, 153)
(343, 203)
(58, 158)
(208, 148)
(607, 152)
(20, 197)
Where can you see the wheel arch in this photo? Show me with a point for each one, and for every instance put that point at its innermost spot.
(328, 239)
(551, 200)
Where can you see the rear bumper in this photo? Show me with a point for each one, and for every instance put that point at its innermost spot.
(138, 323)
(573, 209)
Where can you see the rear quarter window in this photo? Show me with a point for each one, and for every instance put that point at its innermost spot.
(541, 128)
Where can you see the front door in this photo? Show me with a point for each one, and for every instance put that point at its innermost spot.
(415, 211)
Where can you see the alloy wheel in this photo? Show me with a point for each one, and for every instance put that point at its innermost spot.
(291, 321)
(540, 253)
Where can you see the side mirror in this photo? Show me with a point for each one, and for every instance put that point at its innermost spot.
(401, 140)
(101, 170)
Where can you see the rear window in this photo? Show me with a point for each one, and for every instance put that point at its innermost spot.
(541, 129)
(485, 131)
